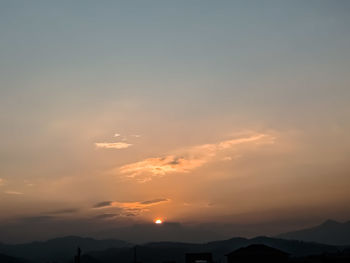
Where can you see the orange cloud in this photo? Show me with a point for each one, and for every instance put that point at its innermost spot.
(161, 165)
(139, 205)
(188, 160)
(113, 145)
(10, 192)
(131, 208)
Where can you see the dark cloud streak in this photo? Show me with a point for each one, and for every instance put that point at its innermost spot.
(64, 211)
(154, 201)
(104, 216)
(103, 204)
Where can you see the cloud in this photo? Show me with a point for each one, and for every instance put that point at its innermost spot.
(130, 205)
(116, 135)
(154, 201)
(1, 181)
(161, 165)
(64, 211)
(187, 160)
(106, 216)
(131, 208)
(113, 145)
(36, 219)
(10, 192)
(103, 204)
(131, 214)
(140, 205)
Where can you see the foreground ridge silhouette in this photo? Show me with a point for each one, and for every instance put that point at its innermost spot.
(257, 253)
(107, 251)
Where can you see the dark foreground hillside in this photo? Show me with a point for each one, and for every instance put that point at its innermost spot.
(64, 250)
(175, 252)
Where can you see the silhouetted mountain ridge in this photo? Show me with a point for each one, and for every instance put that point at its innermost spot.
(63, 249)
(157, 252)
(142, 233)
(60, 249)
(8, 259)
(329, 232)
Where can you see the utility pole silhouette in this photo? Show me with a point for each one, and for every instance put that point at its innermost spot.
(77, 257)
(135, 255)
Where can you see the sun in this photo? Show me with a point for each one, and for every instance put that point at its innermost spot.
(158, 221)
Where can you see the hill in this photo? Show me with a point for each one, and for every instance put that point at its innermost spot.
(330, 232)
(8, 259)
(174, 251)
(59, 249)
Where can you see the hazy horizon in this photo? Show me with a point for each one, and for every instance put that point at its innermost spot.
(229, 114)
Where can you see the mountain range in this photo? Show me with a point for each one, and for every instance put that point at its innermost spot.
(60, 249)
(330, 232)
(175, 252)
(329, 237)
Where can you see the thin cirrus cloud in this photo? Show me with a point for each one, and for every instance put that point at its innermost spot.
(36, 219)
(130, 208)
(154, 201)
(141, 204)
(116, 145)
(103, 204)
(107, 215)
(113, 145)
(188, 160)
(10, 192)
(64, 211)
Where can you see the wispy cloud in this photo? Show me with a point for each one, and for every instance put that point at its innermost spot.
(161, 165)
(36, 219)
(227, 158)
(103, 204)
(1, 181)
(188, 159)
(116, 135)
(141, 204)
(154, 201)
(10, 192)
(107, 215)
(113, 145)
(130, 208)
(64, 211)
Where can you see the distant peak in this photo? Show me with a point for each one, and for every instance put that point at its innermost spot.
(329, 222)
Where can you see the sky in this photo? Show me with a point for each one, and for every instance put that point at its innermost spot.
(216, 113)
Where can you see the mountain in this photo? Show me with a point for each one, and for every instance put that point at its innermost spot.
(142, 233)
(8, 259)
(59, 249)
(62, 250)
(330, 232)
(174, 251)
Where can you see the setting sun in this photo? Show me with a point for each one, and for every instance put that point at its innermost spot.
(158, 221)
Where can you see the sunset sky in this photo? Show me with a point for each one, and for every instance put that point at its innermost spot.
(116, 113)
